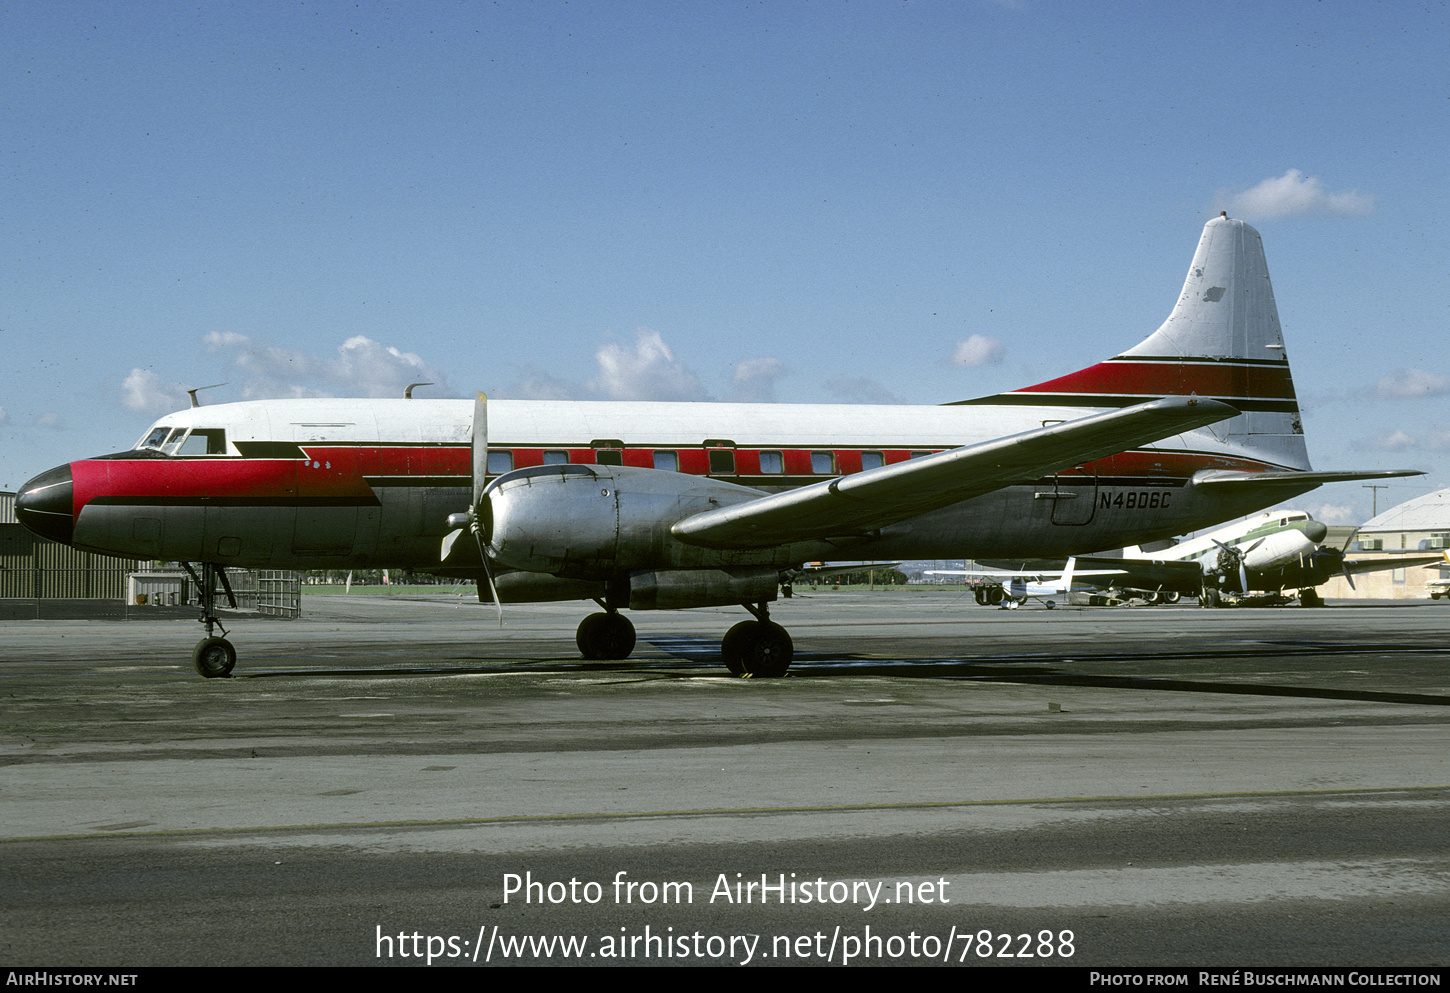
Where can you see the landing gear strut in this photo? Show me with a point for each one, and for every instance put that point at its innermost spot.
(213, 658)
(759, 648)
(605, 635)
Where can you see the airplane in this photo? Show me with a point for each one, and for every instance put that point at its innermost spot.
(1010, 590)
(654, 506)
(1247, 561)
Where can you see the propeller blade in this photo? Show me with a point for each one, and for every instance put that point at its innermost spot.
(480, 445)
(488, 574)
(480, 479)
(1243, 578)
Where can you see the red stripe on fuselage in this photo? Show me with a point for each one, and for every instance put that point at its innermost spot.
(1224, 380)
(337, 472)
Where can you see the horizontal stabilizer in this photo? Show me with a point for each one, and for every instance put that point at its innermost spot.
(1224, 480)
(1393, 560)
(864, 501)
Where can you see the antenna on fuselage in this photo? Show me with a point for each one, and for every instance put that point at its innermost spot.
(408, 393)
(192, 393)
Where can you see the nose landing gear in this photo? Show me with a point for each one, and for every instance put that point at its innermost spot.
(213, 657)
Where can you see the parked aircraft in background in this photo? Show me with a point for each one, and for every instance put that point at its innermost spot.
(645, 506)
(1010, 590)
(1247, 561)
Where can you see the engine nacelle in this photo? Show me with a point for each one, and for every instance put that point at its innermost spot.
(596, 522)
(681, 589)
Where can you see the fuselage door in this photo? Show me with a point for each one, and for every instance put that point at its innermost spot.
(1074, 496)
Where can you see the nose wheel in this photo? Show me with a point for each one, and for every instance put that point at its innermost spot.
(213, 657)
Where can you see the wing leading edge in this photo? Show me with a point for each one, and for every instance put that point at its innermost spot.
(863, 502)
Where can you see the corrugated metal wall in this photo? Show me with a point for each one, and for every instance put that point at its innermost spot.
(32, 567)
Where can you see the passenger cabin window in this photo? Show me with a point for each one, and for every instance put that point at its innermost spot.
(204, 441)
(872, 460)
(668, 461)
(556, 458)
(609, 456)
(500, 463)
(823, 463)
(722, 462)
(771, 462)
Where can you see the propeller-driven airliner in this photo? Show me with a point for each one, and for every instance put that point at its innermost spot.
(648, 506)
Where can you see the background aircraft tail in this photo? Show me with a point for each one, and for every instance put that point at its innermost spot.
(1222, 340)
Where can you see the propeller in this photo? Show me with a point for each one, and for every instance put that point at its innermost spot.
(1231, 558)
(478, 518)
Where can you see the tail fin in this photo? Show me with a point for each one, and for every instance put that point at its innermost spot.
(1222, 341)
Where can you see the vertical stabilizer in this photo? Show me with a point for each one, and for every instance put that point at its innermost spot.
(1222, 340)
(1226, 310)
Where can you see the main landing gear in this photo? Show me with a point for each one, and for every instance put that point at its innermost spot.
(606, 635)
(757, 648)
(213, 657)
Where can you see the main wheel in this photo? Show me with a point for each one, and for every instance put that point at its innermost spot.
(1208, 598)
(214, 658)
(1310, 598)
(605, 636)
(757, 648)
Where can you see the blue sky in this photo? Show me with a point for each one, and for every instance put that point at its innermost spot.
(875, 202)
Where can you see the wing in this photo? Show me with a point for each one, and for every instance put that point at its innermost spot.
(862, 502)
(1148, 574)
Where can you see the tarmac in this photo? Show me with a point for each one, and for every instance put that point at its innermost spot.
(1080, 786)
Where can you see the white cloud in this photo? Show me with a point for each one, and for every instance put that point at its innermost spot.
(1289, 194)
(861, 390)
(1436, 439)
(380, 370)
(1391, 441)
(649, 371)
(754, 379)
(50, 420)
(144, 392)
(1408, 383)
(363, 367)
(979, 350)
(4, 417)
(1333, 513)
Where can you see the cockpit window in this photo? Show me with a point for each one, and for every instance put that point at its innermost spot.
(203, 441)
(155, 438)
(178, 441)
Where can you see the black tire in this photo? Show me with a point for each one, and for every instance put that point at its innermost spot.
(1171, 597)
(731, 652)
(214, 658)
(615, 637)
(996, 595)
(587, 637)
(1208, 598)
(1310, 598)
(604, 636)
(763, 650)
